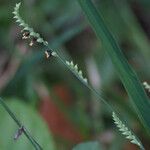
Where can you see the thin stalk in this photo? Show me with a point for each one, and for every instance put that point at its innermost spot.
(25, 131)
(84, 83)
(94, 92)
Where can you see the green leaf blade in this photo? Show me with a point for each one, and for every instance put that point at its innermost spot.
(127, 75)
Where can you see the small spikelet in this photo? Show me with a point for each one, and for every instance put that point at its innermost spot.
(147, 86)
(26, 27)
(126, 131)
(75, 69)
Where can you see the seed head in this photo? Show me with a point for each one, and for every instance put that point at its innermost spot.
(26, 35)
(48, 53)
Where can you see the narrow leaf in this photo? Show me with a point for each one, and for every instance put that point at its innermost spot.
(127, 75)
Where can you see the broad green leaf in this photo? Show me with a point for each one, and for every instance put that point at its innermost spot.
(31, 120)
(127, 75)
(88, 146)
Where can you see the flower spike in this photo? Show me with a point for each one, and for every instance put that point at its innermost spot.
(75, 69)
(26, 27)
(125, 131)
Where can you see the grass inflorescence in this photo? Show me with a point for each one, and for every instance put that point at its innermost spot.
(29, 33)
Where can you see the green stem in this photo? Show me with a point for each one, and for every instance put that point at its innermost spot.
(26, 133)
(95, 92)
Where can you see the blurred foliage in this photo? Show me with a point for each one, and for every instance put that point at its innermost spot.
(88, 146)
(31, 119)
(27, 75)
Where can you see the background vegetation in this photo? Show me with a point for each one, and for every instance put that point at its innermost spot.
(52, 104)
